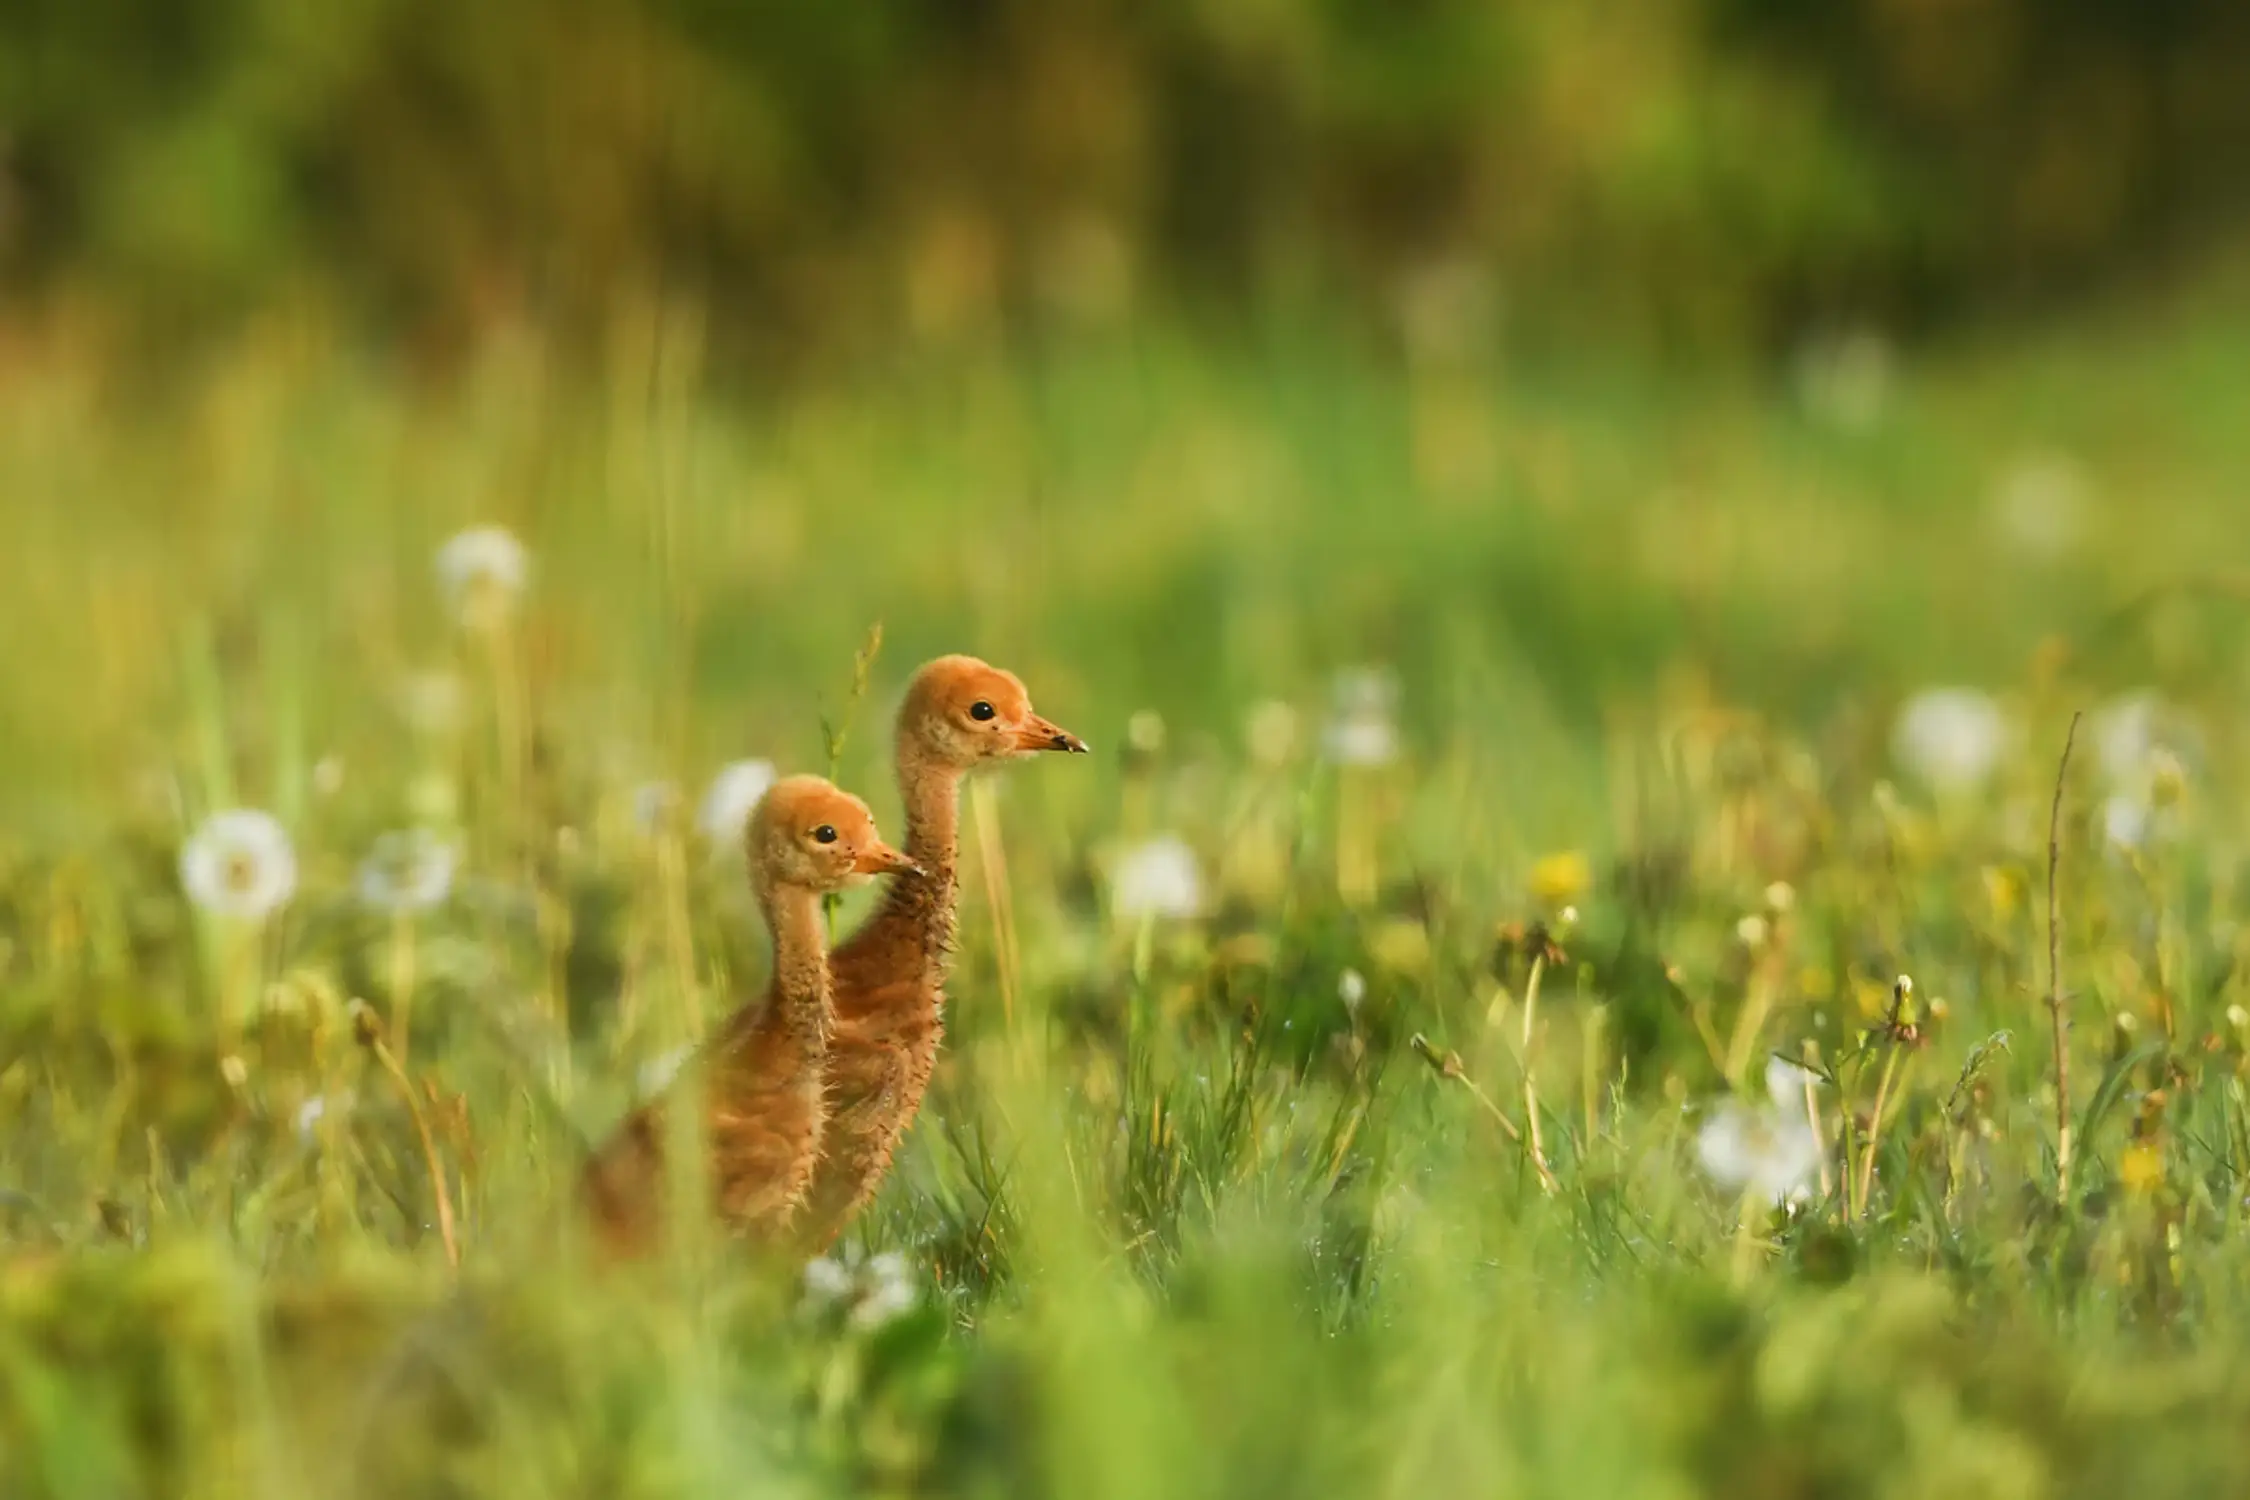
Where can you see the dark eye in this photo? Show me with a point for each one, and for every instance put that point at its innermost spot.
(825, 833)
(980, 710)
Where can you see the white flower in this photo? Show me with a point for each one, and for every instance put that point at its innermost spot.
(1351, 988)
(2144, 748)
(2040, 505)
(1771, 1152)
(2145, 745)
(2131, 821)
(733, 795)
(890, 1295)
(482, 571)
(1952, 738)
(1272, 732)
(1363, 730)
(239, 864)
(1752, 931)
(874, 1290)
(1785, 1080)
(2125, 734)
(1158, 878)
(407, 870)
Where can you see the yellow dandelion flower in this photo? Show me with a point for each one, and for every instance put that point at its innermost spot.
(1560, 879)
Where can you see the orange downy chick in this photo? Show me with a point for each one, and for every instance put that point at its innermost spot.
(763, 1072)
(889, 976)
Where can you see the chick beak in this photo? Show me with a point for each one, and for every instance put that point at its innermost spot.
(880, 858)
(1040, 734)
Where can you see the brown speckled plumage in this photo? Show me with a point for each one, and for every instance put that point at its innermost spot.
(888, 978)
(762, 1074)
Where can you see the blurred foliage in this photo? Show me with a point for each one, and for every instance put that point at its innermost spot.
(1707, 170)
(1189, 1211)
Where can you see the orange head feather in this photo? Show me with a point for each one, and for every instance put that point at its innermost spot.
(962, 712)
(809, 834)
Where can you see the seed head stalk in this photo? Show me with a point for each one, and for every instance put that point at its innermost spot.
(1536, 1141)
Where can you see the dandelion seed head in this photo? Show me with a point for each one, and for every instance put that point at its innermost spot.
(2146, 748)
(891, 1296)
(2125, 820)
(1953, 739)
(724, 815)
(407, 870)
(1351, 988)
(1772, 1153)
(239, 865)
(483, 571)
(872, 1291)
(1785, 1084)
(1158, 877)
(828, 1279)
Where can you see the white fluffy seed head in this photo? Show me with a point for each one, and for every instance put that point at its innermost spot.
(239, 865)
(483, 572)
(1157, 878)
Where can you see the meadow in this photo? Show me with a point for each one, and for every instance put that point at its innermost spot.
(1449, 1038)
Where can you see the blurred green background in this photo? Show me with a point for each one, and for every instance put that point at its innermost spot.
(1716, 333)
(1679, 172)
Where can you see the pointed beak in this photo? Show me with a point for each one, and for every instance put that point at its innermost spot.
(881, 859)
(1042, 734)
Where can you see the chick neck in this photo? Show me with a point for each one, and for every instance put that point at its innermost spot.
(799, 1008)
(917, 910)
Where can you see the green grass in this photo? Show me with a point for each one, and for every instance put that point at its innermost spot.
(1183, 1221)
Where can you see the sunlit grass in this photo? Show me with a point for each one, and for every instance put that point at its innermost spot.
(1330, 1074)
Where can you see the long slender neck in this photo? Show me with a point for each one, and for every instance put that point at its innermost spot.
(917, 911)
(799, 1007)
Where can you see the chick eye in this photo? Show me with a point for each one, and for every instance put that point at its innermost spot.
(981, 710)
(825, 833)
